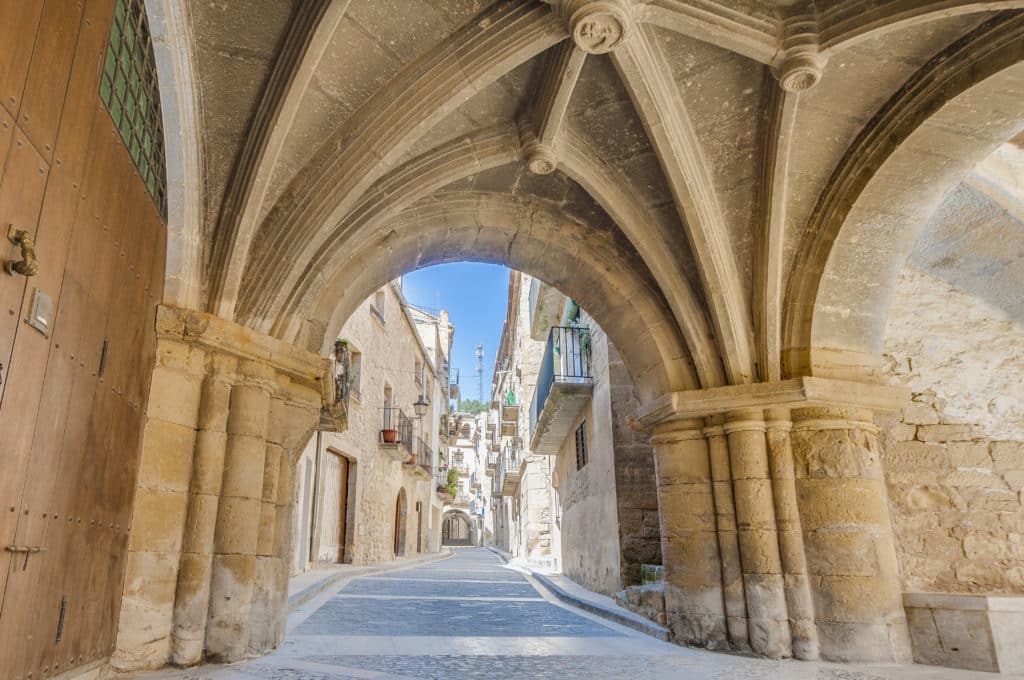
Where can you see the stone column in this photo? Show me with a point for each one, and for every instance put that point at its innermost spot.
(689, 543)
(767, 624)
(728, 547)
(851, 553)
(238, 516)
(192, 597)
(791, 540)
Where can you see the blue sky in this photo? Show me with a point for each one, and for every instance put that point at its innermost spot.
(475, 296)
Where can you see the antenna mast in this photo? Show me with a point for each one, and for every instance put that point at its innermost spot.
(480, 372)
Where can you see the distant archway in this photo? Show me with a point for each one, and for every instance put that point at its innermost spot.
(458, 528)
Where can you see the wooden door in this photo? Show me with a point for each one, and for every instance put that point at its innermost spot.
(72, 398)
(401, 516)
(342, 507)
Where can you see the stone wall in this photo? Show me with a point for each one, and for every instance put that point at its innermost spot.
(589, 516)
(636, 489)
(954, 458)
(389, 346)
(609, 508)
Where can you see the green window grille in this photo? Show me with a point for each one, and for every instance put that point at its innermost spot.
(129, 89)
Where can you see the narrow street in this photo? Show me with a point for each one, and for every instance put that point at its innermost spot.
(472, 617)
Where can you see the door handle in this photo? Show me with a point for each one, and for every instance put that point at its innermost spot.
(28, 266)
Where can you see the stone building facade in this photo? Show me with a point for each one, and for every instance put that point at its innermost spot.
(586, 504)
(360, 500)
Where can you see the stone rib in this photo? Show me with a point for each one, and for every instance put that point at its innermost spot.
(668, 126)
(382, 130)
(307, 38)
(849, 22)
(392, 194)
(773, 201)
(656, 245)
(561, 74)
(753, 36)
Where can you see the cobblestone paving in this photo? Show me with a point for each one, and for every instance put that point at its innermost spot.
(453, 620)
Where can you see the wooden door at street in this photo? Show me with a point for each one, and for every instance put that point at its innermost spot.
(74, 383)
(342, 506)
(401, 517)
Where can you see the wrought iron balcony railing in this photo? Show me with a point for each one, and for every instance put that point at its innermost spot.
(396, 428)
(566, 360)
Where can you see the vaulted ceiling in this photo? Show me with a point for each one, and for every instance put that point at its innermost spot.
(741, 180)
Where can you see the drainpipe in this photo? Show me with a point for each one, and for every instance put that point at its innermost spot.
(314, 513)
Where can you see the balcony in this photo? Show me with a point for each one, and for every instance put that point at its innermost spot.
(546, 306)
(509, 470)
(461, 501)
(442, 486)
(509, 413)
(420, 463)
(396, 437)
(564, 386)
(492, 459)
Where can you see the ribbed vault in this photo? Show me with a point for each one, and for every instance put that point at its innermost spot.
(705, 177)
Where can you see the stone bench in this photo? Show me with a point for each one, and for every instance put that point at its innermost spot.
(976, 632)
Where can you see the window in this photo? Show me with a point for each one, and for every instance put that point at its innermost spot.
(377, 306)
(355, 371)
(581, 445)
(419, 372)
(130, 91)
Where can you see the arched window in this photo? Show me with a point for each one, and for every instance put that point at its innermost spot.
(130, 90)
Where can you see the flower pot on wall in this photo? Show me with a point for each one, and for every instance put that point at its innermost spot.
(389, 436)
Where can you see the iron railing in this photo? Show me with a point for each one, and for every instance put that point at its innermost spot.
(509, 463)
(394, 419)
(566, 360)
(424, 455)
(441, 479)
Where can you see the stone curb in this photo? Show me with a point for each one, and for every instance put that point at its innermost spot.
(624, 618)
(300, 598)
(504, 556)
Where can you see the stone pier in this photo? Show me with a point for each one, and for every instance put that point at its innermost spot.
(776, 533)
(229, 411)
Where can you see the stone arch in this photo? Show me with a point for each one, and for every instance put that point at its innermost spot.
(448, 535)
(847, 24)
(172, 49)
(530, 236)
(953, 113)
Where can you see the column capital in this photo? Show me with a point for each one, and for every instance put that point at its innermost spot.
(677, 431)
(802, 392)
(220, 336)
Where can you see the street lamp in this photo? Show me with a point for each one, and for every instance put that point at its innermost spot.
(420, 406)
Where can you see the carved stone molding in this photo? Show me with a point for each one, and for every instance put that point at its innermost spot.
(800, 62)
(598, 26)
(539, 158)
(794, 393)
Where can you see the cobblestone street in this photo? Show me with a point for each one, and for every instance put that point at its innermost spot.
(472, 617)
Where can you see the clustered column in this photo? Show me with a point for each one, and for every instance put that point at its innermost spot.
(791, 542)
(776, 535)
(694, 603)
(767, 617)
(847, 531)
(728, 547)
(192, 596)
(238, 517)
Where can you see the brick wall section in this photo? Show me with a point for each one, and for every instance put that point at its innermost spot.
(957, 502)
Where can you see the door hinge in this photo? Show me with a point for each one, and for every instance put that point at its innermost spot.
(27, 550)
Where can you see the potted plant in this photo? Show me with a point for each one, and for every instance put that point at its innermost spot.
(389, 436)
